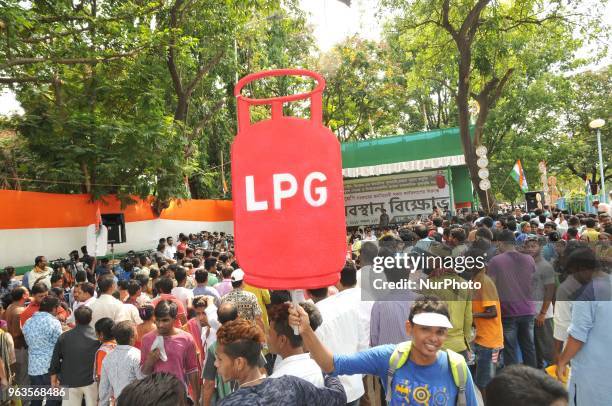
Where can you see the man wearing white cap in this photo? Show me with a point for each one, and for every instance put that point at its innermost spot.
(413, 372)
(245, 302)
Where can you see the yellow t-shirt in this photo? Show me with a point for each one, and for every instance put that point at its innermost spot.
(489, 331)
(263, 298)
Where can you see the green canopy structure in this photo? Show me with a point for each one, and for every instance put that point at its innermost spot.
(429, 150)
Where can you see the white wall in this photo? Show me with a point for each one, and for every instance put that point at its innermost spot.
(19, 247)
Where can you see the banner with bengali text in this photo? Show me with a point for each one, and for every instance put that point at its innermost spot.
(404, 196)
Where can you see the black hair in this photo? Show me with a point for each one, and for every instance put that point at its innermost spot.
(123, 332)
(56, 276)
(105, 326)
(81, 276)
(166, 308)
(511, 225)
(319, 293)
(201, 276)
(523, 385)
(581, 258)
(590, 222)
(226, 271)
(6, 275)
(348, 276)
(49, 303)
(82, 315)
(368, 252)
(122, 284)
(133, 287)
(279, 314)
(279, 296)
(428, 304)
(180, 274)
(572, 231)
(487, 221)
(105, 283)
(146, 312)
(18, 293)
(39, 287)
(164, 285)
(87, 288)
(505, 236)
(158, 389)
(209, 263)
(199, 301)
(38, 259)
(458, 234)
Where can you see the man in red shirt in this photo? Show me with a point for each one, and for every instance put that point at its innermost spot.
(164, 286)
(38, 293)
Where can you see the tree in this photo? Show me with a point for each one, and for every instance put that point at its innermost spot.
(132, 97)
(486, 44)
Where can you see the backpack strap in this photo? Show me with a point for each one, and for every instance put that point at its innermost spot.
(459, 371)
(398, 358)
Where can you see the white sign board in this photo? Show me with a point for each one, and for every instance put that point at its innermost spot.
(97, 242)
(403, 196)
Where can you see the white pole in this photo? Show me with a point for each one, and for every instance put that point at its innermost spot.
(601, 168)
(236, 58)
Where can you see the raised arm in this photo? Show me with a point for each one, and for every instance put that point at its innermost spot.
(318, 351)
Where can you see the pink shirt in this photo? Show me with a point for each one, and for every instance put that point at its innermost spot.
(180, 350)
(224, 287)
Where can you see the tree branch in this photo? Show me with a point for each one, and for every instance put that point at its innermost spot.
(206, 118)
(468, 28)
(35, 40)
(445, 19)
(203, 71)
(500, 85)
(170, 61)
(25, 79)
(70, 61)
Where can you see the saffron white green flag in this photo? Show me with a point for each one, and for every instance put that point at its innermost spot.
(519, 176)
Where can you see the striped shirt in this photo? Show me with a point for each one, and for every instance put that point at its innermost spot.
(119, 368)
(388, 322)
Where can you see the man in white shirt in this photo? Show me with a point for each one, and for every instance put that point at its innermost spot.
(121, 366)
(84, 295)
(182, 293)
(106, 305)
(292, 359)
(170, 249)
(346, 327)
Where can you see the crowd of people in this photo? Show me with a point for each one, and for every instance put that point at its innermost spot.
(179, 325)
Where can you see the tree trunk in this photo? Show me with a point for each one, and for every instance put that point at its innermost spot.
(86, 178)
(463, 93)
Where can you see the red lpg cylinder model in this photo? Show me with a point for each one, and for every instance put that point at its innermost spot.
(289, 221)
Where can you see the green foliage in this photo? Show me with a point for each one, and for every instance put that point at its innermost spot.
(108, 110)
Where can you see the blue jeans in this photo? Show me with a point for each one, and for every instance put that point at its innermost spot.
(484, 370)
(518, 334)
(43, 380)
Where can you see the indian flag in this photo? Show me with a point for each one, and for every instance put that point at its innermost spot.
(519, 176)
